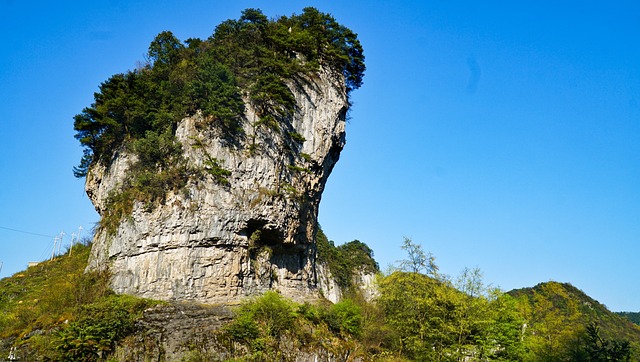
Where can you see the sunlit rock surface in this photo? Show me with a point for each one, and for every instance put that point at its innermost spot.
(214, 242)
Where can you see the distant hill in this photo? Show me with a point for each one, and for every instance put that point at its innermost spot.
(558, 316)
(632, 316)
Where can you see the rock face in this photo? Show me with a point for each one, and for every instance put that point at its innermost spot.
(190, 332)
(216, 242)
(364, 281)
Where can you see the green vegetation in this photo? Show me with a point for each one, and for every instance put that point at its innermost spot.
(591, 346)
(270, 327)
(433, 319)
(421, 315)
(345, 260)
(251, 59)
(437, 319)
(62, 313)
(418, 261)
(560, 320)
(98, 326)
(632, 316)
(54, 311)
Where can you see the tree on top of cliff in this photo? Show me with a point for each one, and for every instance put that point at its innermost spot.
(253, 59)
(252, 55)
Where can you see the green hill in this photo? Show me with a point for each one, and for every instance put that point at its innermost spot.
(559, 317)
(632, 316)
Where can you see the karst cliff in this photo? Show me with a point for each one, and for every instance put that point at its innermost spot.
(207, 163)
(215, 242)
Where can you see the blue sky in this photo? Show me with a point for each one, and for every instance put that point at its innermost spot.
(499, 135)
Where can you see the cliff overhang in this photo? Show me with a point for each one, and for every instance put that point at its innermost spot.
(216, 242)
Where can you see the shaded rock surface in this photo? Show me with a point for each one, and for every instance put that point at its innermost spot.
(173, 332)
(216, 242)
(187, 331)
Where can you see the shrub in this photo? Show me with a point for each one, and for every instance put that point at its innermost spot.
(269, 315)
(345, 317)
(98, 327)
(243, 328)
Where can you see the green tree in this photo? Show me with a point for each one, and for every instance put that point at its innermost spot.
(437, 320)
(503, 340)
(473, 315)
(421, 312)
(251, 59)
(214, 90)
(418, 261)
(345, 260)
(593, 347)
(251, 55)
(345, 317)
(273, 313)
(164, 50)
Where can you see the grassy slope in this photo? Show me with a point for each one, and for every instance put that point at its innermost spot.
(43, 304)
(47, 293)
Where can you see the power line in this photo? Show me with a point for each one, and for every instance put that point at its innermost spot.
(26, 232)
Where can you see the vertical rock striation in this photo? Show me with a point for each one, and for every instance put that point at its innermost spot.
(213, 241)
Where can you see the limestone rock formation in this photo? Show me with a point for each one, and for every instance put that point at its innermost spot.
(213, 241)
(191, 332)
(364, 281)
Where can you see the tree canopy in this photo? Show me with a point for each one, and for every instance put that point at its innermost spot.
(252, 55)
(251, 60)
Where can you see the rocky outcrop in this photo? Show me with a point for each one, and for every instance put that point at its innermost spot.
(214, 241)
(191, 332)
(363, 281)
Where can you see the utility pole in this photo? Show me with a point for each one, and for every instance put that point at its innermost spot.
(62, 234)
(57, 242)
(53, 251)
(0, 267)
(73, 238)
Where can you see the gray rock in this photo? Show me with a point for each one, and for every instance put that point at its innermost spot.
(188, 331)
(198, 245)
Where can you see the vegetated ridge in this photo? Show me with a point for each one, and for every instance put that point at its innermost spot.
(632, 316)
(562, 317)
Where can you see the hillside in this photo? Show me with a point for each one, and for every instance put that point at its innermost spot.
(560, 314)
(55, 311)
(632, 316)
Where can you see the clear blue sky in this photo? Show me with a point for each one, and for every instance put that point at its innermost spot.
(499, 135)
